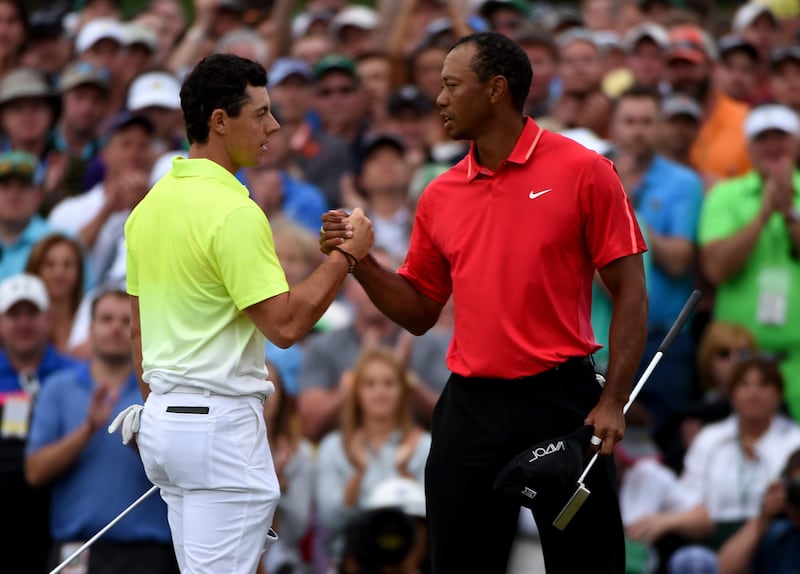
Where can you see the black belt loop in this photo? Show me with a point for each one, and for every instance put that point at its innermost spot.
(583, 361)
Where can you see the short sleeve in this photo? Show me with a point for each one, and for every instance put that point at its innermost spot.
(717, 219)
(244, 254)
(131, 273)
(425, 266)
(611, 228)
(685, 211)
(45, 422)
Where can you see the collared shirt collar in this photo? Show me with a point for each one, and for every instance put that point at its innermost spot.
(520, 155)
(202, 167)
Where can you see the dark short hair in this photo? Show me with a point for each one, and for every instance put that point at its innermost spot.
(639, 92)
(219, 81)
(497, 55)
(104, 291)
(766, 365)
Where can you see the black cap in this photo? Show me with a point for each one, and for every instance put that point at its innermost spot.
(408, 97)
(784, 54)
(545, 476)
(125, 119)
(45, 24)
(733, 43)
(378, 141)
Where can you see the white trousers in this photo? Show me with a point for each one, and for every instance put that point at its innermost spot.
(216, 475)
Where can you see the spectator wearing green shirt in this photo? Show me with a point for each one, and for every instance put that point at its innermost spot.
(750, 242)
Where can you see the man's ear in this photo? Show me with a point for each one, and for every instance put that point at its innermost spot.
(218, 121)
(497, 88)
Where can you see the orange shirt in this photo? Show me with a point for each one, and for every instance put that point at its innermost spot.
(720, 149)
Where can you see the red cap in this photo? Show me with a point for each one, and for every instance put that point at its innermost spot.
(688, 43)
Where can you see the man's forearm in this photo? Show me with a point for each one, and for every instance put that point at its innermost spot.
(724, 258)
(396, 297)
(626, 342)
(49, 462)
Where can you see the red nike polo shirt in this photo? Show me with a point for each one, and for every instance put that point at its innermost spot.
(517, 248)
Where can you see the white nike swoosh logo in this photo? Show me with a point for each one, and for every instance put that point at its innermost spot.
(533, 195)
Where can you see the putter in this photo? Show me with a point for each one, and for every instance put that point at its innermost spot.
(582, 493)
(105, 529)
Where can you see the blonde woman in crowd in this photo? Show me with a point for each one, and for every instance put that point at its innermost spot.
(58, 261)
(721, 346)
(377, 440)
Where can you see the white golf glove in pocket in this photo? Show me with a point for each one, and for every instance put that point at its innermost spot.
(129, 419)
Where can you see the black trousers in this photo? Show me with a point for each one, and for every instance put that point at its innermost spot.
(126, 558)
(478, 426)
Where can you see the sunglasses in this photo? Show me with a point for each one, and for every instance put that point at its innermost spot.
(723, 353)
(342, 91)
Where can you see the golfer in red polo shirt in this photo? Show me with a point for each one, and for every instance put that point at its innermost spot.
(514, 232)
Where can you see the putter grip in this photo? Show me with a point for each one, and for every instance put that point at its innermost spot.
(688, 307)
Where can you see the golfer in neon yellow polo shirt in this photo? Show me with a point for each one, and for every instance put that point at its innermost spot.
(206, 288)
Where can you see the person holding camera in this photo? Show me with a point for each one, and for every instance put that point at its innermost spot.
(770, 542)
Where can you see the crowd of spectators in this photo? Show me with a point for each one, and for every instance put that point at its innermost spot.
(697, 104)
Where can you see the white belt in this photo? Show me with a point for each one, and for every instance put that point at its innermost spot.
(198, 391)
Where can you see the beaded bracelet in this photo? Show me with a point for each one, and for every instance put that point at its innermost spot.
(350, 258)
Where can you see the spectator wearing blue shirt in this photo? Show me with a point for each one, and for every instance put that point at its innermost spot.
(25, 360)
(667, 198)
(20, 200)
(93, 476)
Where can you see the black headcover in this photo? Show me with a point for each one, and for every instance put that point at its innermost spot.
(547, 471)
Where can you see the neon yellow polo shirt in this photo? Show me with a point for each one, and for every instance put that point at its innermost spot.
(199, 251)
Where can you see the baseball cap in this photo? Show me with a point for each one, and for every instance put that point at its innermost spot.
(126, 119)
(771, 117)
(748, 13)
(690, 43)
(231, 5)
(544, 476)
(681, 105)
(734, 42)
(491, 6)
(356, 16)
(302, 23)
(137, 33)
(154, 89)
(561, 18)
(24, 83)
(18, 164)
(404, 493)
(588, 139)
(23, 287)
(45, 23)
(647, 30)
(80, 73)
(576, 34)
(693, 559)
(331, 62)
(99, 29)
(408, 97)
(784, 54)
(283, 68)
(377, 141)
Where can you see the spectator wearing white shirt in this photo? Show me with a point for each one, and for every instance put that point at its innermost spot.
(98, 217)
(731, 463)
